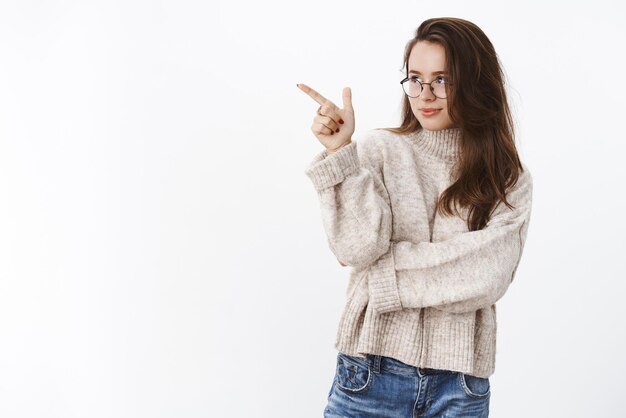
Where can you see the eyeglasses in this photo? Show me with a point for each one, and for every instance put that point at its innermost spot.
(413, 87)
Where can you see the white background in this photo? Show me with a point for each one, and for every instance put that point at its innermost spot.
(162, 252)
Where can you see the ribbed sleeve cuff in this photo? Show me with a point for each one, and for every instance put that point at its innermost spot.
(326, 169)
(382, 283)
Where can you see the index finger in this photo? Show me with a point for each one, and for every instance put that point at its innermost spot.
(314, 95)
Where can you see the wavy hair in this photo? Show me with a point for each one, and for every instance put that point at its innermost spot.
(488, 163)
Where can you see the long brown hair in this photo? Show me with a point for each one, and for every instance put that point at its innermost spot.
(488, 163)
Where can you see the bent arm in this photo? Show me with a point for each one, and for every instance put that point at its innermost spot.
(467, 272)
(354, 203)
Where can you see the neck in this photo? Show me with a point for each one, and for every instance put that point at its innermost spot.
(444, 144)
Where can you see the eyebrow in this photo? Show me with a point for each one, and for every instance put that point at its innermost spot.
(417, 72)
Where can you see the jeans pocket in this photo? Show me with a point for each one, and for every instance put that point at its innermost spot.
(474, 386)
(353, 374)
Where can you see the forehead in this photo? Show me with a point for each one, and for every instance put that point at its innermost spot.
(427, 58)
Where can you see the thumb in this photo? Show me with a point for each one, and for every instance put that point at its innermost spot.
(347, 98)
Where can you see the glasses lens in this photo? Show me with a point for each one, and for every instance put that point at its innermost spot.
(439, 88)
(412, 87)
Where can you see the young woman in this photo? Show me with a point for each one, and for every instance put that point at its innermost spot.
(432, 216)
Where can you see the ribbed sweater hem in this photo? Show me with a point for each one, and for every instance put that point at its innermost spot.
(416, 337)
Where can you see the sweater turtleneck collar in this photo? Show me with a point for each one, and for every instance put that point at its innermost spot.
(444, 144)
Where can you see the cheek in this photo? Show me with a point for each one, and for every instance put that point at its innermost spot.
(414, 108)
(447, 120)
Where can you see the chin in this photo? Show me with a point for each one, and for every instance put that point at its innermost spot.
(435, 125)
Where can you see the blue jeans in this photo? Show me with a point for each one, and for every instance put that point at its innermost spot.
(379, 386)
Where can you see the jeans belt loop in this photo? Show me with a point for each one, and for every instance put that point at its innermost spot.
(376, 365)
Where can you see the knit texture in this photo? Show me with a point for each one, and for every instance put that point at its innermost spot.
(422, 287)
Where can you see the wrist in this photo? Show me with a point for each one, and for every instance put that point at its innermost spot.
(331, 151)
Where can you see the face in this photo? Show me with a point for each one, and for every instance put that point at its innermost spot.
(425, 61)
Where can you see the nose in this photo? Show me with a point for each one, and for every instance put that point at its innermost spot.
(427, 94)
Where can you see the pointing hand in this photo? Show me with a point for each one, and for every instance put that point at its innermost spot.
(332, 126)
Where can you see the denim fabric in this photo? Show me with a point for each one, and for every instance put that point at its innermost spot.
(380, 387)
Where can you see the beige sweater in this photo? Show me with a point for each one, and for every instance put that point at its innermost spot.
(422, 287)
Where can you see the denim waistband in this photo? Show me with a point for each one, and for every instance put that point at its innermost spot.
(378, 363)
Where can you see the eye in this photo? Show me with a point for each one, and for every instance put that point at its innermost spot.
(414, 79)
(441, 80)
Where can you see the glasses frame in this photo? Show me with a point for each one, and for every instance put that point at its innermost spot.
(432, 90)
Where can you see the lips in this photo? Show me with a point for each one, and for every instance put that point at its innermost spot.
(429, 111)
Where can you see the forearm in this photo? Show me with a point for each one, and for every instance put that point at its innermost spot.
(470, 271)
(450, 277)
(354, 204)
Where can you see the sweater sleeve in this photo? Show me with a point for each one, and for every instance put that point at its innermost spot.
(465, 273)
(355, 206)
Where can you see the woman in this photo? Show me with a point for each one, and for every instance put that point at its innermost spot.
(432, 216)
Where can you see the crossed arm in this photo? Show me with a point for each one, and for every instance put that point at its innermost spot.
(470, 271)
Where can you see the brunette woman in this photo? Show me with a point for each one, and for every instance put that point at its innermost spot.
(432, 217)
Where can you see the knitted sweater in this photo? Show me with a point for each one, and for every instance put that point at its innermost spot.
(422, 287)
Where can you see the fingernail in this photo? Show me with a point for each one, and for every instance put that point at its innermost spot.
(332, 133)
(341, 121)
(337, 130)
